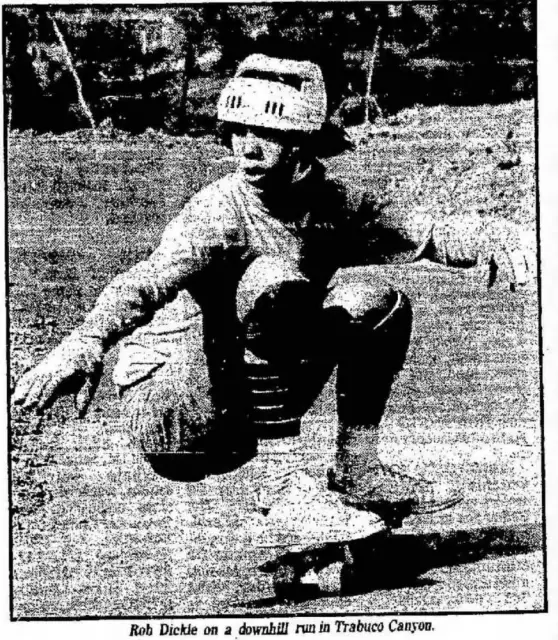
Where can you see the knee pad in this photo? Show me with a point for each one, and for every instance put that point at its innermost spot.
(266, 278)
(363, 302)
(277, 307)
(371, 318)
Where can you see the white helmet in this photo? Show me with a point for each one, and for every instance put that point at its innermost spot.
(275, 93)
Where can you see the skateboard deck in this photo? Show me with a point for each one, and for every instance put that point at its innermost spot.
(299, 570)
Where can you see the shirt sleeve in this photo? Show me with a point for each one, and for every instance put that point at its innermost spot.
(467, 240)
(188, 246)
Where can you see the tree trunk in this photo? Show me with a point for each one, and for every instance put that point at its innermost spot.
(8, 88)
(369, 98)
(68, 58)
(186, 80)
(144, 73)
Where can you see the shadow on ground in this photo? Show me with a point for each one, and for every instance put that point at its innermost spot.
(400, 561)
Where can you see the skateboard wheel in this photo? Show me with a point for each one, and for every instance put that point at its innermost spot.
(285, 576)
(310, 577)
(286, 583)
(329, 578)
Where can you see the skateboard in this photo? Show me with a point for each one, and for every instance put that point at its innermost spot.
(299, 571)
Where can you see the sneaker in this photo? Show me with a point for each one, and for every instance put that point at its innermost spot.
(301, 514)
(386, 488)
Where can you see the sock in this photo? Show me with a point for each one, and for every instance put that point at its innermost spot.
(357, 452)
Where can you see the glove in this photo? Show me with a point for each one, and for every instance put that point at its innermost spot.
(505, 249)
(74, 367)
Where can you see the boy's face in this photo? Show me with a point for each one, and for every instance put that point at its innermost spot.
(265, 155)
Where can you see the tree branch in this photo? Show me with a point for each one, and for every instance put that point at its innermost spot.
(72, 70)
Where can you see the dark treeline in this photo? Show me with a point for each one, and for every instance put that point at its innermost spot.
(139, 67)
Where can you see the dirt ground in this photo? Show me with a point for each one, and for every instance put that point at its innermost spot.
(96, 533)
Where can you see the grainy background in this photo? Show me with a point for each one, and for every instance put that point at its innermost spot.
(96, 533)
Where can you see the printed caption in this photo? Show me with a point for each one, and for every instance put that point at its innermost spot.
(250, 629)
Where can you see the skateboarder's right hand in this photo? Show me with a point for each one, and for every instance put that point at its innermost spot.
(74, 368)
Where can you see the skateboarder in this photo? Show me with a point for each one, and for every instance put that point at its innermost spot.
(231, 327)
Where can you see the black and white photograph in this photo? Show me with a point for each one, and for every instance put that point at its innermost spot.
(273, 310)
